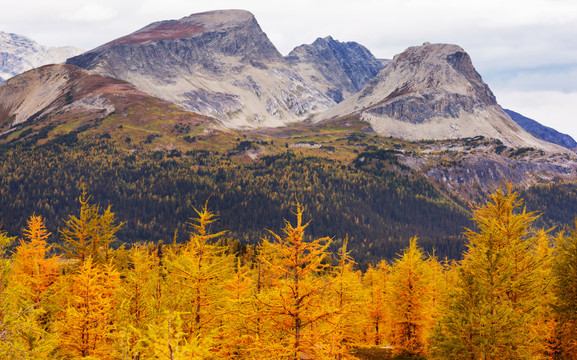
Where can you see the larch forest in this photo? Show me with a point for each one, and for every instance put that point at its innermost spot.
(513, 295)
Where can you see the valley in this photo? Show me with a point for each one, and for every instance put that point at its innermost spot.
(155, 192)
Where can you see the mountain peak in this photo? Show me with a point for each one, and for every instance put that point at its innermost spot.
(225, 18)
(434, 66)
(218, 63)
(189, 26)
(19, 53)
(433, 91)
(344, 66)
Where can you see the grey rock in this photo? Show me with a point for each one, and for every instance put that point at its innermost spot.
(346, 66)
(218, 63)
(541, 131)
(202, 101)
(435, 80)
(194, 43)
(434, 92)
(19, 54)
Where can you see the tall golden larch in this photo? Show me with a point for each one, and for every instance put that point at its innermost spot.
(34, 273)
(296, 306)
(88, 324)
(410, 301)
(495, 304)
(199, 272)
(376, 328)
(565, 288)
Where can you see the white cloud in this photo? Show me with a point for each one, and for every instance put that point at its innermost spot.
(91, 12)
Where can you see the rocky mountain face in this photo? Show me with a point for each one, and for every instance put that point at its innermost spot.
(433, 92)
(19, 54)
(541, 131)
(68, 96)
(340, 69)
(222, 64)
(218, 63)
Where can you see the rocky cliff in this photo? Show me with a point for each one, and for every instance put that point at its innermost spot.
(218, 63)
(433, 92)
(19, 54)
(339, 68)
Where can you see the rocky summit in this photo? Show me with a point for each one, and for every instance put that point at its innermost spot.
(218, 63)
(433, 92)
(19, 53)
(339, 68)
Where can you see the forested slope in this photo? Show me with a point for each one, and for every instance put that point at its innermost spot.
(153, 192)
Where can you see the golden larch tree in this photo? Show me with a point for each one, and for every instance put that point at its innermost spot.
(349, 299)
(495, 304)
(410, 300)
(91, 233)
(88, 325)
(565, 288)
(376, 316)
(200, 271)
(34, 273)
(295, 306)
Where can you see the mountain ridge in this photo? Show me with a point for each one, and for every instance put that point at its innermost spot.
(222, 68)
(19, 53)
(433, 91)
(220, 63)
(345, 66)
(541, 131)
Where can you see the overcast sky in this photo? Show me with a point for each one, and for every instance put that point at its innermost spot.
(526, 50)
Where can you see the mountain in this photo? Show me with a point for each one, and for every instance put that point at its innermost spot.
(123, 124)
(342, 68)
(19, 53)
(218, 63)
(58, 99)
(433, 92)
(541, 131)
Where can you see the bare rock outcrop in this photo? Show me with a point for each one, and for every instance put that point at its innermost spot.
(340, 69)
(434, 92)
(218, 63)
(19, 54)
